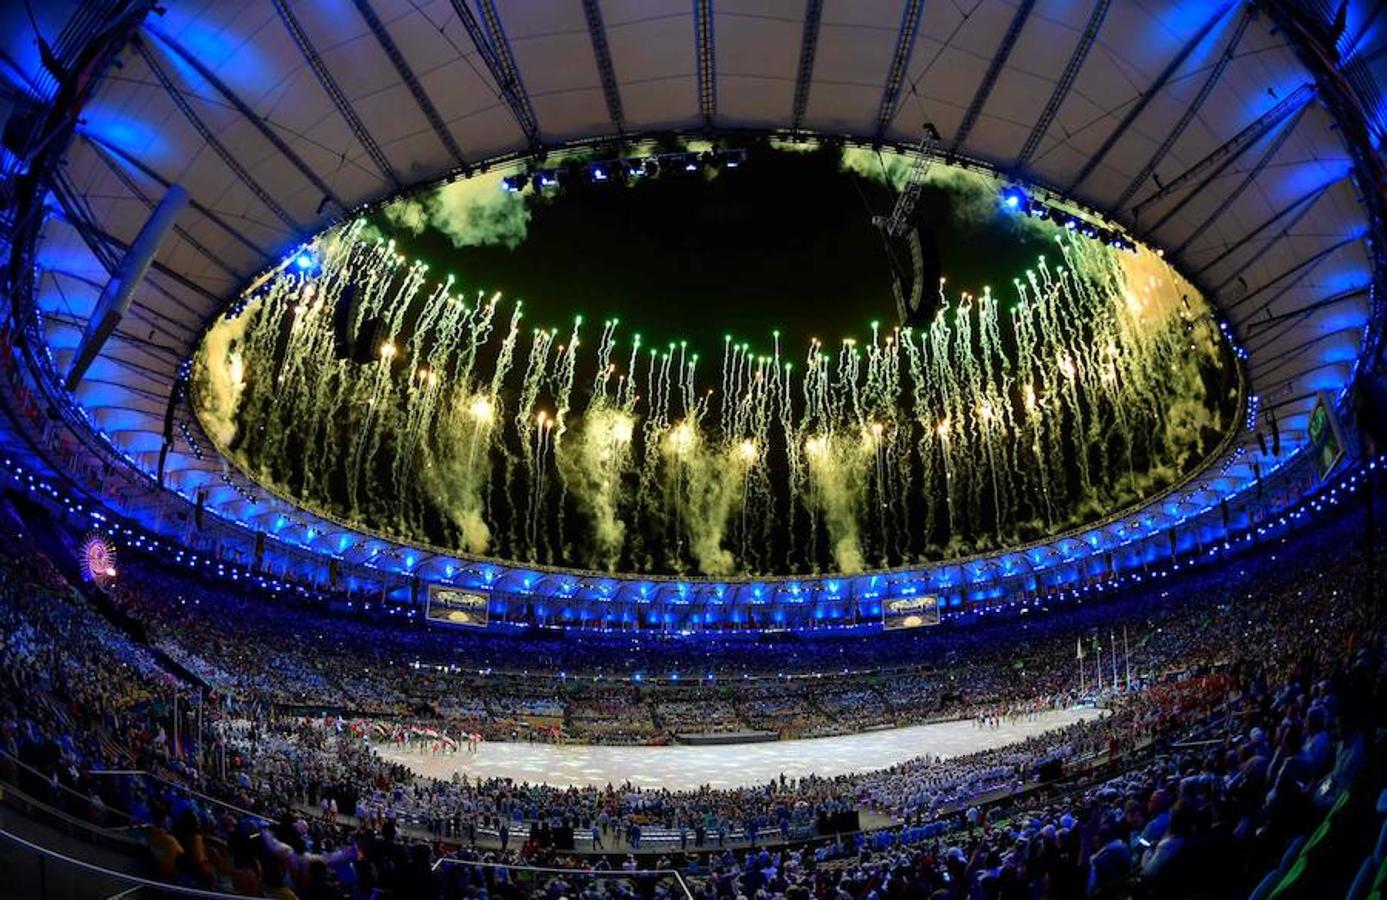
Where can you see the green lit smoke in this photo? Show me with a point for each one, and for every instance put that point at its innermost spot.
(1082, 386)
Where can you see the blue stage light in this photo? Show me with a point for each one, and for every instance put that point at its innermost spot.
(1015, 199)
(305, 260)
(513, 184)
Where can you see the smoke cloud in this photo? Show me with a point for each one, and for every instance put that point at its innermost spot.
(472, 212)
(972, 195)
(837, 490)
(219, 376)
(709, 494)
(456, 470)
(592, 459)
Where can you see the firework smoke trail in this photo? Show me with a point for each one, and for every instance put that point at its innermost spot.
(563, 397)
(1075, 377)
(1033, 400)
(526, 424)
(922, 416)
(950, 408)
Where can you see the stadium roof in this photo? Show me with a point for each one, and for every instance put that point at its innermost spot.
(1215, 130)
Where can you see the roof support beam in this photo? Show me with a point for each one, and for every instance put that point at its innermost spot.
(1269, 338)
(139, 194)
(1287, 381)
(334, 92)
(249, 115)
(1283, 233)
(1137, 108)
(1218, 170)
(1188, 115)
(611, 90)
(1071, 72)
(1234, 146)
(105, 245)
(900, 59)
(994, 71)
(494, 50)
(1254, 329)
(1303, 203)
(149, 173)
(707, 62)
(75, 212)
(1286, 357)
(171, 274)
(804, 72)
(156, 320)
(1267, 155)
(397, 59)
(212, 140)
(1295, 273)
(1289, 401)
(139, 344)
(143, 393)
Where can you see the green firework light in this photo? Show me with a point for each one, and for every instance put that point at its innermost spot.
(999, 420)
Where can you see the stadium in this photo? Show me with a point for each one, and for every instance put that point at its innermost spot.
(702, 449)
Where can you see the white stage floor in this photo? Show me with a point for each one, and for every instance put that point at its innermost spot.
(728, 765)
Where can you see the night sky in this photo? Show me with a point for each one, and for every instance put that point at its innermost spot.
(783, 241)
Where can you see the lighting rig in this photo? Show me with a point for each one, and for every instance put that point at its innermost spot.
(624, 170)
(1015, 199)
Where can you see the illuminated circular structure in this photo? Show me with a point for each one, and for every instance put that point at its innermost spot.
(1238, 140)
(361, 384)
(98, 558)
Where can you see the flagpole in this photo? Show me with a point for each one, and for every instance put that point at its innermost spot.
(1112, 654)
(1127, 657)
(1081, 667)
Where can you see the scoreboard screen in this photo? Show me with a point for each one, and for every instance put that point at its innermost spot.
(1325, 442)
(450, 606)
(909, 612)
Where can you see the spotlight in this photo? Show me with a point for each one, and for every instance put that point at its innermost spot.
(1015, 199)
(597, 173)
(635, 168)
(546, 178)
(514, 184)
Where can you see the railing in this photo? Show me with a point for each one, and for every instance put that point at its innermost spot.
(42, 873)
(142, 775)
(39, 796)
(536, 881)
(34, 871)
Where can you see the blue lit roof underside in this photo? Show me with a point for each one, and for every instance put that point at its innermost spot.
(1308, 271)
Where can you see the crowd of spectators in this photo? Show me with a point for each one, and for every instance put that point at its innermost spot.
(1275, 676)
(314, 659)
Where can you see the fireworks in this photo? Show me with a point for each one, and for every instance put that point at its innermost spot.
(1088, 388)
